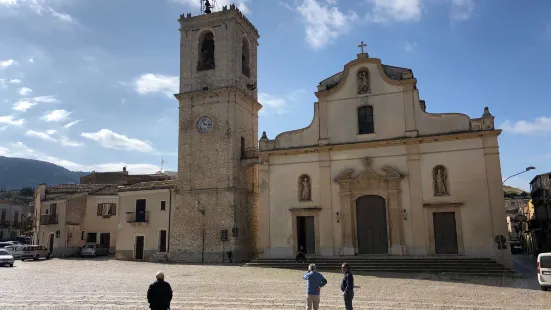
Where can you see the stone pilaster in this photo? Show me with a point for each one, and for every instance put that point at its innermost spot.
(347, 227)
(327, 215)
(263, 242)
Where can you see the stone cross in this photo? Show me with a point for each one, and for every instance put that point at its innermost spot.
(362, 45)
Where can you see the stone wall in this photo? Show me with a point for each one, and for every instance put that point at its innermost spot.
(76, 209)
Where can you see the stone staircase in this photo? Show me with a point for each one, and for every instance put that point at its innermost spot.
(159, 258)
(394, 264)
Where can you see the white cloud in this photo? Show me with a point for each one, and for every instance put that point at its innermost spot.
(3, 83)
(540, 125)
(3, 128)
(31, 60)
(48, 136)
(71, 124)
(324, 22)
(24, 91)
(156, 83)
(385, 11)
(41, 135)
(39, 7)
(15, 81)
(6, 63)
(56, 116)
(24, 104)
(462, 9)
(241, 4)
(10, 120)
(410, 46)
(271, 103)
(113, 140)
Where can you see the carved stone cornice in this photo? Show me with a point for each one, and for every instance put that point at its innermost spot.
(305, 209)
(442, 204)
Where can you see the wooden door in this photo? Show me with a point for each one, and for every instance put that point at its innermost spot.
(162, 241)
(306, 235)
(140, 210)
(138, 248)
(105, 240)
(445, 233)
(371, 226)
(51, 244)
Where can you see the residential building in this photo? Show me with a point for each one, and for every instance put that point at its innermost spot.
(144, 220)
(514, 209)
(13, 219)
(538, 227)
(123, 177)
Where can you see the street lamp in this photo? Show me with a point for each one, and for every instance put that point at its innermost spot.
(526, 170)
(201, 209)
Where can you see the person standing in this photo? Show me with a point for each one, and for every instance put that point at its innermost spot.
(314, 282)
(347, 286)
(159, 294)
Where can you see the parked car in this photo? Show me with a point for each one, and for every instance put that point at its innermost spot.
(544, 271)
(15, 250)
(4, 244)
(35, 252)
(93, 249)
(6, 258)
(516, 246)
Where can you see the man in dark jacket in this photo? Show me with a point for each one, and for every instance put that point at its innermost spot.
(159, 293)
(347, 286)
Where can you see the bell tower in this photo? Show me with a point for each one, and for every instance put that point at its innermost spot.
(215, 208)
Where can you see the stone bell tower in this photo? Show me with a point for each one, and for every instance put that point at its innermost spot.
(216, 197)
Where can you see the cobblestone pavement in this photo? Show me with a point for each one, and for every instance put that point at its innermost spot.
(111, 284)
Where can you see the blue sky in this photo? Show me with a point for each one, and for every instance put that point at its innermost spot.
(87, 84)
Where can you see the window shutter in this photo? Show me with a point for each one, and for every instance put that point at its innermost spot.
(99, 209)
(113, 209)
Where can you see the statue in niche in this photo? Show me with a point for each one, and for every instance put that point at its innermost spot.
(304, 186)
(206, 61)
(363, 82)
(440, 178)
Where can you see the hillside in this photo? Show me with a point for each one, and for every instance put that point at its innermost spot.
(21, 172)
(513, 191)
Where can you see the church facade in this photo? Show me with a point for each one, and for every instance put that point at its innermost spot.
(373, 174)
(376, 174)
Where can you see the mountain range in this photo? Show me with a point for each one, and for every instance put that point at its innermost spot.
(21, 172)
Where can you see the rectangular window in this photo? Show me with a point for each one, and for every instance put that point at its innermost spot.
(82, 235)
(365, 120)
(91, 237)
(163, 205)
(106, 209)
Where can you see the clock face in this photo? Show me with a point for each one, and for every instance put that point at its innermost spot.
(204, 124)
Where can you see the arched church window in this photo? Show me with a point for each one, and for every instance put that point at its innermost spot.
(365, 120)
(245, 58)
(206, 51)
(304, 188)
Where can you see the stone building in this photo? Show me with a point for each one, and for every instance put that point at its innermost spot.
(375, 173)
(216, 196)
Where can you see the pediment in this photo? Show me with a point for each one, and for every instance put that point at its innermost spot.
(369, 178)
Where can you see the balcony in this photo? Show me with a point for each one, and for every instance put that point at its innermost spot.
(49, 219)
(137, 217)
(5, 224)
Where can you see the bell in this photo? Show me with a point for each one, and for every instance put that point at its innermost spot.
(207, 7)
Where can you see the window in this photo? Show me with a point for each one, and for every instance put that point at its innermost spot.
(365, 120)
(82, 235)
(206, 52)
(107, 209)
(163, 205)
(91, 237)
(245, 68)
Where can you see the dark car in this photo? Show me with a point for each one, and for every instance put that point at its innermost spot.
(516, 247)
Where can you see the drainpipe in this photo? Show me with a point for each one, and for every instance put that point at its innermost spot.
(169, 220)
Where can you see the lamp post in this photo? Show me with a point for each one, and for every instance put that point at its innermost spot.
(526, 170)
(201, 209)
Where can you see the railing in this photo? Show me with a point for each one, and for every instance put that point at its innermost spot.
(5, 224)
(48, 219)
(249, 153)
(137, 217)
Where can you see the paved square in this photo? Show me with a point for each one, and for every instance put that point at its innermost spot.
(111, 284)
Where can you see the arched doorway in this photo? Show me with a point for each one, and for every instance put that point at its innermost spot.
(371, 225)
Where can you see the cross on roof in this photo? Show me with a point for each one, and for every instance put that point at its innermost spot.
(362, 45)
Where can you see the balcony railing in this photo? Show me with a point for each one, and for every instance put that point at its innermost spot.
(5, 224)
(137, 217)
(49, 219)
(249, 153)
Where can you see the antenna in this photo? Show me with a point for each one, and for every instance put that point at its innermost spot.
(207, 6)
(162, 163)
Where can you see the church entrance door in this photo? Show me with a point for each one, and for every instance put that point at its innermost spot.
(371, 225)
(306, 236)
(445, 234)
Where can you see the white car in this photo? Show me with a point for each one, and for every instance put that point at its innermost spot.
(544, 271)
(15, 250)
(6, 258)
